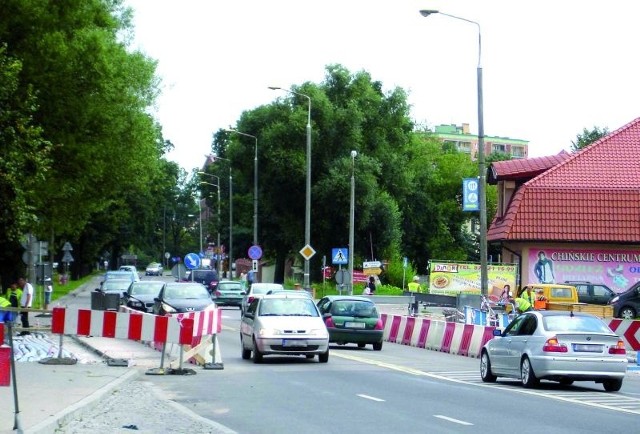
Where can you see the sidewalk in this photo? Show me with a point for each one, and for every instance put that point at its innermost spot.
(52, 394)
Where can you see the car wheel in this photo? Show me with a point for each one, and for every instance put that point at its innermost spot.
(246, 354)
(361, 345)
(566, 382)
(627, 313)
(527, 376)
(324, 357)
(377, 346)
(485, 369)
(612, 385)
(257, 355)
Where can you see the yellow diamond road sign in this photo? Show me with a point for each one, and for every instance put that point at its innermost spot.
(307, 252)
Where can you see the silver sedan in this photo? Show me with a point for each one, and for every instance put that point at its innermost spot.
(558, 346)
(285, 324)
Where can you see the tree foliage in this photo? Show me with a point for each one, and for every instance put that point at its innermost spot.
(83, 99)
(587, 137)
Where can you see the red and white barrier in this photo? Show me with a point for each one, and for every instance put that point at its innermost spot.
(122, 325)
(468, 339)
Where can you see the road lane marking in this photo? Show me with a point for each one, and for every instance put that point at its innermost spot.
(450, 419)
(592, 399)
(372, 398)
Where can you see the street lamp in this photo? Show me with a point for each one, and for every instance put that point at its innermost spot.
(307, 220)
(219, 262)
(230, 213)
(481, 163)
(352, 214)
(255, 185)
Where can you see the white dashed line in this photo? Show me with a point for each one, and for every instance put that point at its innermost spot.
(450, 419)
(372, 398)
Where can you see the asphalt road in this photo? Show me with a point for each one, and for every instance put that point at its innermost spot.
(400, 389)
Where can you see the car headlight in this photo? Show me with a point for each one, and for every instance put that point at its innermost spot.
(614, 299)
(267, 332)
(135, 303)
(168, 309)
(318, 332)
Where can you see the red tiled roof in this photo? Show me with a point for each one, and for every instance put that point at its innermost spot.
(525, 168)
(592, 196)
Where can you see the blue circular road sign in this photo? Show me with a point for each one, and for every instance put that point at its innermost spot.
(192, 260)
(255, 252)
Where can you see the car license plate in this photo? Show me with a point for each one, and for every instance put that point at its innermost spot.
(587, 348)
(293, 343)
(355, 325)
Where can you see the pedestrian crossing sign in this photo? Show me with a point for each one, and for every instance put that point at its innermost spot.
(340, 256)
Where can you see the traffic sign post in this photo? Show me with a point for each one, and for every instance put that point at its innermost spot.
(192, 261)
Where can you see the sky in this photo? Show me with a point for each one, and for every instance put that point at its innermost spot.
(550, 68)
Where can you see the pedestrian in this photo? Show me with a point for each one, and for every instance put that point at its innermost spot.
(48, 292)
(15, 294)
(414, 286)
(521, 304)
(370, 286)
(528, 295)
(5, 315)
(25, 302)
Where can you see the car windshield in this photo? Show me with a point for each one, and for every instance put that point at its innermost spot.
(186, 291)
(153, 265)
(230, 286)
(567, 323)
(355, 308)
(146, 288)
(205, 275)
(118, 275)
(287, 307)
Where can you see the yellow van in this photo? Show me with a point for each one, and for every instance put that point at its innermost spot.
(554, 293)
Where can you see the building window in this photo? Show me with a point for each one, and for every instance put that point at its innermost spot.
(499, 148)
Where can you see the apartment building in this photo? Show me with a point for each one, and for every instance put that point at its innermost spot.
(460, 137)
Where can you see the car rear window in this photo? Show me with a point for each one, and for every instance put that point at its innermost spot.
(146, 289)
(356, 308)
(567, 323)
(230, 286)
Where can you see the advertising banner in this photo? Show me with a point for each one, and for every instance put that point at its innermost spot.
(618, 269)
(453, 278)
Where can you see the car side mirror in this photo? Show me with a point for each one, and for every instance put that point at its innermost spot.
(497, 332)
(243, 293)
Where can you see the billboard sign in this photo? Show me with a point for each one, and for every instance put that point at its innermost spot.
(616, 268)
(453, 278)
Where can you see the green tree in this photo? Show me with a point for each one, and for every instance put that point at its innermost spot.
(92, 96)
(587, 137)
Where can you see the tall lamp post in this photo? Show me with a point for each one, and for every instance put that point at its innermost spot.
(230, 214)
(255, 185)
(218, 262)
(481, 163)
(352, 214)
(307, 219)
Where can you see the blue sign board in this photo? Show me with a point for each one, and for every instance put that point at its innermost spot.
(340, 256)
(470, 194)
(255, 252)
(192, 260)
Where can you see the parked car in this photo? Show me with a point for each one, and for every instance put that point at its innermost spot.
(154, 269)
(352, 320)
(140, 295)
(257, 290)
(593, 293)
(283, 324)
(626, 305)
(205, 276)
(558, 346)
(554, 293)
(228, 293)
(180, 297)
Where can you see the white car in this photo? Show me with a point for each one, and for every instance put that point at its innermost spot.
(258, 290)
(154, 269)
(131, 269)
(284, 324)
